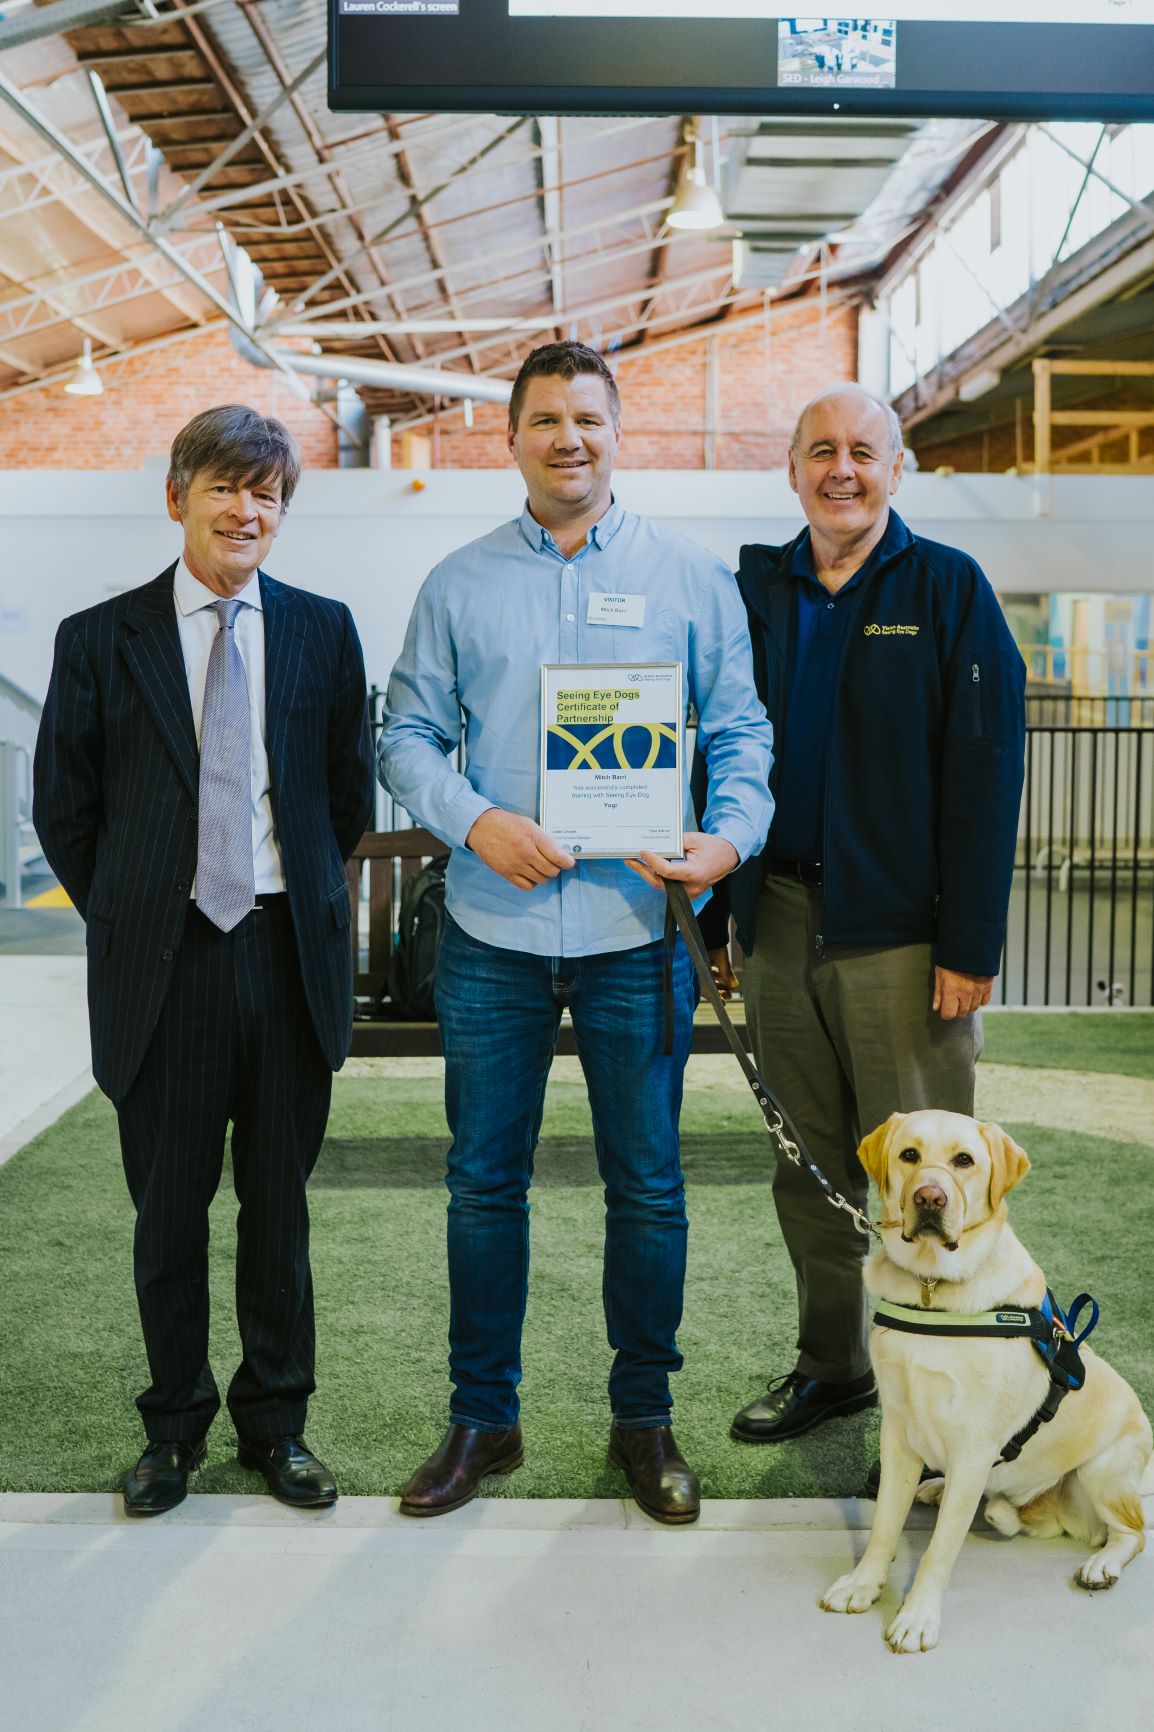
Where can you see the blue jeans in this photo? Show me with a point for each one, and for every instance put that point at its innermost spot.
(499, 1012)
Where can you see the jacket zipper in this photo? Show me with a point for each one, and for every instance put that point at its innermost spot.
(976, 683)
(819, 938)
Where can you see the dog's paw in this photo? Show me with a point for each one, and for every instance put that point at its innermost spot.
(1096, 1573)
(1002, 1515)
(930, 1491)
(851, 1593)
(915, 1629)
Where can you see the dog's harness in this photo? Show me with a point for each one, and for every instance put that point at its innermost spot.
(1047, 1326)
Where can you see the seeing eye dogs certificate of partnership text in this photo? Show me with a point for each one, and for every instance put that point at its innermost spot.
(612, 751)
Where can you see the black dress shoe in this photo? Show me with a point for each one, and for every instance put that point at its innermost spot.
(795, 1404)
(452, 1474)
(659, 1477)
(291, 1469)
(159, 1481)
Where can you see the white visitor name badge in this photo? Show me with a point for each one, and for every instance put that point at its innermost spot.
(616, 610)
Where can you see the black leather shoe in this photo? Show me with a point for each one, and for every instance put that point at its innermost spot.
(159, 1481)
(795, 1404)
(291, 1470)
(453, 1473)
(659, 1477)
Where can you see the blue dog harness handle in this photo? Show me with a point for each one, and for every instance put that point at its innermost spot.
(1075, 1312)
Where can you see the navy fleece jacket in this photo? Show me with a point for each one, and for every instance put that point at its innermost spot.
(926, 752)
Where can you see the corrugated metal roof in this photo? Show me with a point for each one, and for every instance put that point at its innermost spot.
(390, 222)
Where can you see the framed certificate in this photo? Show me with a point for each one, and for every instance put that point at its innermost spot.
(612, 756)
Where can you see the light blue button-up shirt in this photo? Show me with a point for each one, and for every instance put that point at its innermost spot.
(485, 620)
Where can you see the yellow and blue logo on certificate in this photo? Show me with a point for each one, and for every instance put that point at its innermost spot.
(611, 746)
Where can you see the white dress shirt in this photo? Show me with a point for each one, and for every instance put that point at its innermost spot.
(197, 623)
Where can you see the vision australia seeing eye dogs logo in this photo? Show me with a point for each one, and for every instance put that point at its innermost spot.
(612, 746)
(892, 630)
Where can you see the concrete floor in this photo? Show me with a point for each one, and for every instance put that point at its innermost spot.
(525, 1616)
(515, 1615)
(44, 1051)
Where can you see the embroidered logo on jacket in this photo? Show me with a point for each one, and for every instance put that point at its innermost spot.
(892, 630)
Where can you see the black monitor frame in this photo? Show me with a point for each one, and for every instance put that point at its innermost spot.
(1099, 73)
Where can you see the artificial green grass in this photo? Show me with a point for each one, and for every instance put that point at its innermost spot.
(1119, 1041)
(72, 1357)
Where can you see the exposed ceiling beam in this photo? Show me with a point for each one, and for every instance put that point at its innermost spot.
(73, 189)
(321, 149)
(647, 314)
(61, 301)
(1000, 356)
(16, 99)
(549, 136)
(335, 331)
(678, 168)
(417, 203)
(416, 209)
(516, 251)
(40, 21)
(220, 72)
(166, 218)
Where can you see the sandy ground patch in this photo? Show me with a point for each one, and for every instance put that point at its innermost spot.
(1102, 1104)
(1095, 1101)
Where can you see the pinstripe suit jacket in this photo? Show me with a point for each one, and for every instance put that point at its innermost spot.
(116, 789)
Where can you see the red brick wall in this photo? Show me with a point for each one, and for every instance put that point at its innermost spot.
(761, 383)
(147, 399)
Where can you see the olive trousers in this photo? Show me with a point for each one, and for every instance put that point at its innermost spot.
(844, 1037)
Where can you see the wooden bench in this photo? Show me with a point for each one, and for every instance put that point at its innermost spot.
(375, 1036)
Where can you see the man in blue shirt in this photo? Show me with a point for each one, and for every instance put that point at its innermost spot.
(532, 931)
(873, 923)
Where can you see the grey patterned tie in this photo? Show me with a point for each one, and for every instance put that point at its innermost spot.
(224, 874)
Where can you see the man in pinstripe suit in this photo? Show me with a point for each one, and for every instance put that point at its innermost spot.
(203, 771)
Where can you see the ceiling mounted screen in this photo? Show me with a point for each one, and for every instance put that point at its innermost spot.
(1014, 59)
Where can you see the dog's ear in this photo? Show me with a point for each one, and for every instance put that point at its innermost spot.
(871, 1151)
(1009, 1164)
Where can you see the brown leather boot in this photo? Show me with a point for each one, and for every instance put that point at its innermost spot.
(659, 1477)
(452, 1474)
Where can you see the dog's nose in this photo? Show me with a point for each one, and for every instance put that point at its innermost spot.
(931, 1198)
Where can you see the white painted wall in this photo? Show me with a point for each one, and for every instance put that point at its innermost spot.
(68, 540)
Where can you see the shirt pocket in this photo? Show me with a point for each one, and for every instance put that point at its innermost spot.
(661, 639)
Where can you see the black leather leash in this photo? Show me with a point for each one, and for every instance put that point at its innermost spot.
(679, 916)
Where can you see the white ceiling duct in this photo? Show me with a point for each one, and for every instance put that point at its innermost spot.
(393, 376)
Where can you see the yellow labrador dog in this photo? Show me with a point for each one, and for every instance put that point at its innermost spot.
(955, 1401)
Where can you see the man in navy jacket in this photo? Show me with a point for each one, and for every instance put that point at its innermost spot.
(874, 920)
(202, 772)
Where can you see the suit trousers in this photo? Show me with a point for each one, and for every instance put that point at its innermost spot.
(235, 1041)
(844, 1037)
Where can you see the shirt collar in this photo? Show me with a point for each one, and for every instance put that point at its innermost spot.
(896, 536)
(600, 535)
(192, 595)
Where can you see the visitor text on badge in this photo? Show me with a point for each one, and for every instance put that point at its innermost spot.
(616, 610)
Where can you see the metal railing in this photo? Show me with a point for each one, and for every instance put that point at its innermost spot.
(1058, 705)
(19, 721)
(1081, 919)
(1081, 926)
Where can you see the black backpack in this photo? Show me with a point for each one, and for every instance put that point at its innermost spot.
(413, 970)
